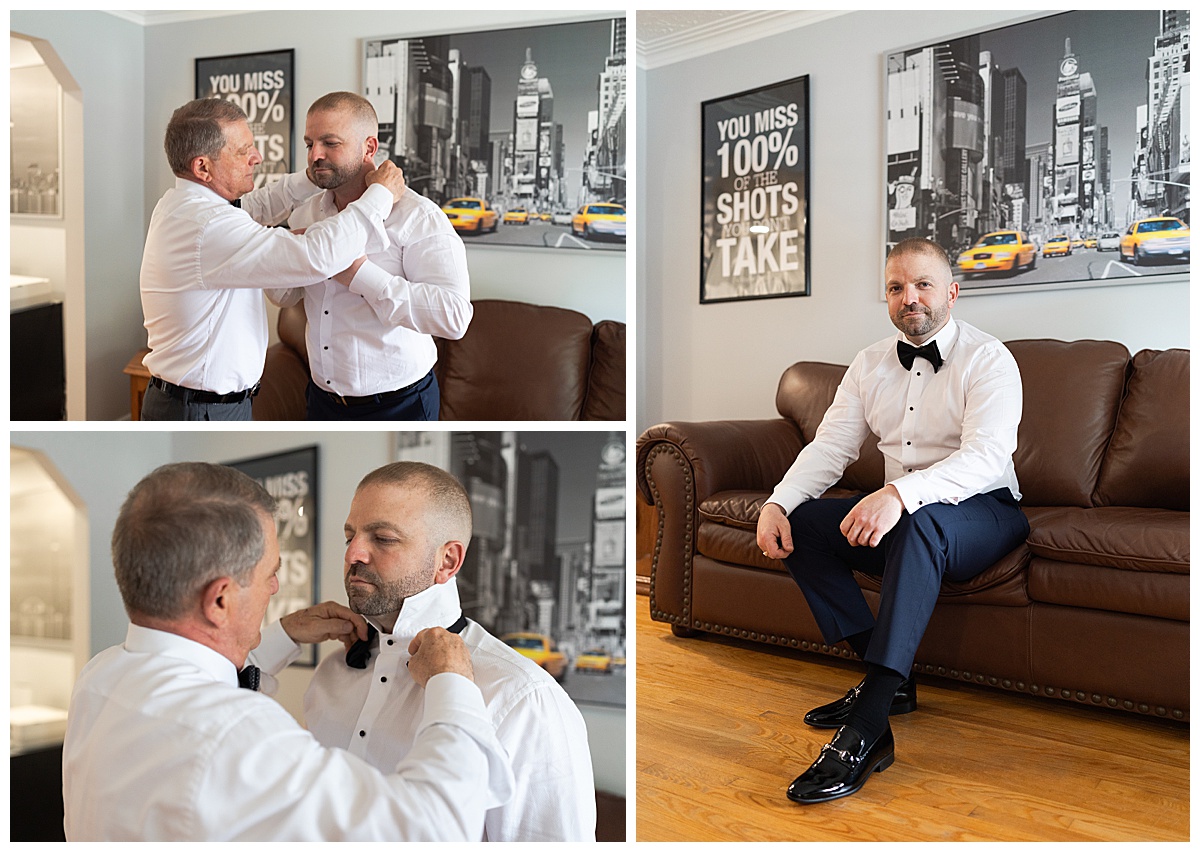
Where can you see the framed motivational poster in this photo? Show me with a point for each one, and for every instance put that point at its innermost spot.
(262, 84)
(754, 196)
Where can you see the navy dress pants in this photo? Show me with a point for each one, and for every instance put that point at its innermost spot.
(955, 542)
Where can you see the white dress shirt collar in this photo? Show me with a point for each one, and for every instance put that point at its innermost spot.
(146, 640)
(196, 188)
(437, 606)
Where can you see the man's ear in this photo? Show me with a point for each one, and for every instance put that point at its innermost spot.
(371, 150)
(450, 559)
(216, 601)
(201, 169)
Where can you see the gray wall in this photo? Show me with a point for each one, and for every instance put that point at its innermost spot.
(716, 361)
(105, 56)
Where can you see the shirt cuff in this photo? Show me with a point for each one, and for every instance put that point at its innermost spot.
(299, 187)
(913, 492)
(276, 650)
(371, 281)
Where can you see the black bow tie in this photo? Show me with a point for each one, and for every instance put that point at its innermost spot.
(249, 677)
(360, 651)
(908, 353)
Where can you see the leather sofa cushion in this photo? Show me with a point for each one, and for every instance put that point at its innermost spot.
(1130, 539)
(1081, 586)
(528, 361)
(1071, 395)
(1147, 462)
(606, 377)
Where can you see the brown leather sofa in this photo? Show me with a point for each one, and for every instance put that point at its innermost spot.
(1093, 608)
(516, 362)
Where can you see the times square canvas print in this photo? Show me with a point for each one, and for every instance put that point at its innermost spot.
(545, 569)
(519, 134)
(1054, 152)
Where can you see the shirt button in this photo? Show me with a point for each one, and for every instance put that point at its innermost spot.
(390, 642)
(918, 374)
(362, 733)
(324, 347)
(383, 680)
(910, 408)
(909, 443)
(327, 313)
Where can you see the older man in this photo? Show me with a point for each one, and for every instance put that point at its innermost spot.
(406, 539)
(945, 400)
(371, 329)
(161, 743)
(209, 254)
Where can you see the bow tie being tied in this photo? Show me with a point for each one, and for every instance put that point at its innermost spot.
(908, 353)
(249, 677)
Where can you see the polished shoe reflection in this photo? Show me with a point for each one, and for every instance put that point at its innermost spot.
(835, 713)
(843, 766)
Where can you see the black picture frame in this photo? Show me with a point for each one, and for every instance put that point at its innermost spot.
(755, 190)
(291, 478)
(263, 85)
(1064, 127)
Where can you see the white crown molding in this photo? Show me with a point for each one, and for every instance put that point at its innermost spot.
(731, 30)
(147, 19)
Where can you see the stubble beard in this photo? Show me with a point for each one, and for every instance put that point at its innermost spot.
(383, 597)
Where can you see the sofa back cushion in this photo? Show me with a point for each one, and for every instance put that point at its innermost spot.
(1072, 392)
(606, 377)
(1148, 458)
(516, 362)
(805, 393)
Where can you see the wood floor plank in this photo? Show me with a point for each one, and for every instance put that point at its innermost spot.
(720, 735)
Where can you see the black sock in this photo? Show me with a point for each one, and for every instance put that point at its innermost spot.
(870, 713)
(858, 643)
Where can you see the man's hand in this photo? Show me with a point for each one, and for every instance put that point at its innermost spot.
(774, 532)
(390, 176)
(327, 620)
(873, 517)
(435, 650)
(347, 275)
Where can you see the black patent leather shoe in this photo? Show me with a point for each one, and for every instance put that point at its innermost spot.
(844, 765)
(835, 713)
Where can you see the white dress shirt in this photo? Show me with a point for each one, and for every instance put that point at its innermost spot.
(945, 436)
(377, 335)
(206, 263)
(374, 713)
(161, 744)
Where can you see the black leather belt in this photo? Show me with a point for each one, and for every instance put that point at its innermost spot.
(373, 399)
(188, 395)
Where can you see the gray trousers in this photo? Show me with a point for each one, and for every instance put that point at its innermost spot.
(156, 405)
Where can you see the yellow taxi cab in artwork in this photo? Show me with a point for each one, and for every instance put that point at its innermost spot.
(471, 215)
(999, 251)
(1060, 244)
(594, 660)
(540, 649)
(599, 220)
(1158, 237)
(516, 216)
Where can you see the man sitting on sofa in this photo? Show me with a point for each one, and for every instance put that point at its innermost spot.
(370, 347)
(945, 400)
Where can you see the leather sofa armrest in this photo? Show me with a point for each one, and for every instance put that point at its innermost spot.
(679, 465)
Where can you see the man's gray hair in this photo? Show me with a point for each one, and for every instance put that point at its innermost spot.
(197, 129)
(449, 508)
(183, 526)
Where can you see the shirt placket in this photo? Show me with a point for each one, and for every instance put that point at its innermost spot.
(910, 435)
(384, 671)
(325, 331)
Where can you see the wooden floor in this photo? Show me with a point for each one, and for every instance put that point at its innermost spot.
(720, 736)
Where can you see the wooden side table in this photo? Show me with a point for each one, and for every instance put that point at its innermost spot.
(139, 380)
